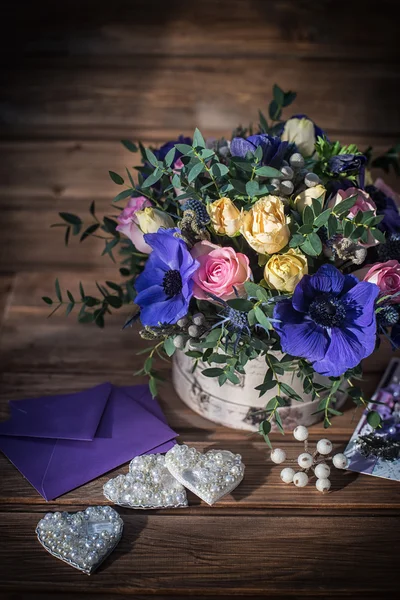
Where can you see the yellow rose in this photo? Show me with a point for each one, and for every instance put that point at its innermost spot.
(225, 217)
(284, 271)
(306, 197)
(151, 219)
(265, 227)
(300, 132)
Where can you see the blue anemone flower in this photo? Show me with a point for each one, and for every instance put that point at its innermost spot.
(274, 150)
(165, 287)
(330, 321)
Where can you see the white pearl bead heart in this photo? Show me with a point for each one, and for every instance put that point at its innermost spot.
(83, 539)
(278, 456)
(148, 485)
(210, 476)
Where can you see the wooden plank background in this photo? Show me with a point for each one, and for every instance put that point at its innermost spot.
(75, 78)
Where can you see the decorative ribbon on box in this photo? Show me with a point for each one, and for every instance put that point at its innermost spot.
(61, 442)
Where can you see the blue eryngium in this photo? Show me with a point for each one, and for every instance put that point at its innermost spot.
(329, 321)
(165, 287)
(274, 150)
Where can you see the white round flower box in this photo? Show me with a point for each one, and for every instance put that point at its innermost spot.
(239, 406)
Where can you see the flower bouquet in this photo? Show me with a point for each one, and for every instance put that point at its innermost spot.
(232, 250)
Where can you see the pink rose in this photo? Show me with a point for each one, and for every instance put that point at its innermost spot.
(221, 270)
(387, 277)
(363, 203)
(128, 223)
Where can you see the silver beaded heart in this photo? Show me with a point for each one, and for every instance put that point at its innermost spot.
(82, 539)
(148, 484)
(210, 476)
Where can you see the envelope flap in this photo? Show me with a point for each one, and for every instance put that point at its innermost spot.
(66, 417)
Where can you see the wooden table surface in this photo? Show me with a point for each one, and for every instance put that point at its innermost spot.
(265, 539)
(76, 77)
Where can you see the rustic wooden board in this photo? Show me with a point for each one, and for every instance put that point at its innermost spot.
(257, 554)
(245, 27)
(182, 93)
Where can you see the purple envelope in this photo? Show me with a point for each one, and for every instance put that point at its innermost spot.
(61, 442)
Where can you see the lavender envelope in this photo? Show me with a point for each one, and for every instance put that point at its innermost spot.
(121, 423)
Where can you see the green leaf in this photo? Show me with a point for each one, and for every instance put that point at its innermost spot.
(148, 364)
(278, 94)
(114, 301)
(252, 188)
(268, 172)
(316, 206)
(58, 290)
(153, 386)
(332, 226)
(262, 319)
(123, 195)
(222, 378)
(312, 246)
(264, 427)
(69, 308)
(322, 218)
(70, 297)
(81, 291)
(214, 335)
(274, 111)
(195, 171)
(348, 229)
(71, 219)
(47, 300)
(278, 422)
(152, 179)
(289, 98)
(287, 389)
(194, 354)
(116, 178)
(151, 157)
(110, 225)
(263, 123)
(308, 215)
(239, 186)
(184, 149)
(169, 346)
(90, 301)
(129, 145)
(114, 286)
(345, 205)
(374, 419)
(213, 372)
(218, 358)
(219, 170)
(305, 229)
(378, 235)
(233, 378)
(198, 140)
(240, 304)
(206, 153)
(124, 272)
(92, 208)
(296, 240)
(170, 157)
(89, 231)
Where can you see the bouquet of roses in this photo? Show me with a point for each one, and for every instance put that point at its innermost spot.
(235, 249)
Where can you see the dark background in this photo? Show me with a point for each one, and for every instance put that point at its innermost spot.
(77, 76)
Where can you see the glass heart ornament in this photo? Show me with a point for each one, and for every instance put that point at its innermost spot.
(82, 539)
(148, 485)
(210, 476)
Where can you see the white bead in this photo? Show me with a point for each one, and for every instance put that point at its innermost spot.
(323, 484)
(311, 180)
(340, 461)
(305, 460)
(324, 446)
(300, 433)
(179, 342)
(183, 322)
(278, 456)
(322, 471)
(194, 331)
(199, 319)
(300, 479)
(287, 475)
(296, 160)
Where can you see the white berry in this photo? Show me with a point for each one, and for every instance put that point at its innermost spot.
(324, 446)
(311, 180)
(199, 319)
(300, 479)
(286, 187)
(322, 471)
(300, 433)
(305, 460)
(323, 484)
(287, 172)
(179, 342)
(278, 456)
(194, 331)
(296, 160)
(340, 461)
(287, 475)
